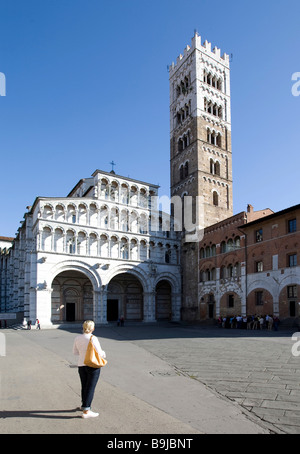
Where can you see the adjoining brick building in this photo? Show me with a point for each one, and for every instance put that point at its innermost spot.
(249, 264)
(272, 252)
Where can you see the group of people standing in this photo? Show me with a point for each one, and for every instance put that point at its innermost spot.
(249, 322)
(37, 324)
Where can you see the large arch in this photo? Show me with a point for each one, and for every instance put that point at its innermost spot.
(231, 303)
(289, 299)
(125, 298)
(167, 289)
(73, 298)
(260, 301)
(136, 271)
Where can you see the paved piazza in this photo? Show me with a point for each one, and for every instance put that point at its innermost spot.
(175, 377)
(255, 369)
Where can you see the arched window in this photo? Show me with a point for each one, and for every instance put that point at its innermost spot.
(59, 213)
(237, 269)
(47, 212)
(114, 247)
(114, 191)
(215, 199)
(70, 241)
(81, 243)
(237, 242)
(223, 272)
(58, 240)
(213, 274)
(229, 245)
(92, 244)
(46, 239)
(82, 214)
(133, 250)
(104, 246)
(114, 219)
(181, 172)
(223, 247)
(124, 194)
(230, 271)
(186, 169)
(93, 214)
(143, 250)
(124, 249)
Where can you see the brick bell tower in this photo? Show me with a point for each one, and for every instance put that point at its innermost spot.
(200, 146)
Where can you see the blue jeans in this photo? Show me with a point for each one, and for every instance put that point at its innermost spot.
(89, 377)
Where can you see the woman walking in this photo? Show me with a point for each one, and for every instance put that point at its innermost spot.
(89, 376)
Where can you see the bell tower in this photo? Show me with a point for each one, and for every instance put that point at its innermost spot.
(200, 150)
(200, 129)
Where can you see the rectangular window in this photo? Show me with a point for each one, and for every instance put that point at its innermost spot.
(292, 291)
(292, 226)
(230, 300)
(292, 260)
(258, 235)
(259, 267)
(259, 298)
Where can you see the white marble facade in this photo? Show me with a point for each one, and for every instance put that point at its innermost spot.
(92, 255)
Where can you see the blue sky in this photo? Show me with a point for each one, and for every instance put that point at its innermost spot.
(87, 83)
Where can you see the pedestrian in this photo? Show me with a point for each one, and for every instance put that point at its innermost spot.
(29, 324)
(261, 322)
(267, 321)
(255, 322)
(270, 323)
(249, 322)
(276, 323)
(239, 321)
(89, 376)
(38, 326)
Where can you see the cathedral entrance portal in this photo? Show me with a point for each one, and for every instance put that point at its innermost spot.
(125, 298)
(163, 309)
(112, 310)
(72, 297)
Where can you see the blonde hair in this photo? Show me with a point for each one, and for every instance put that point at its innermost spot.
(88, 326)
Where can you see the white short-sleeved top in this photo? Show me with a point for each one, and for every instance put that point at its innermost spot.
(80, 346)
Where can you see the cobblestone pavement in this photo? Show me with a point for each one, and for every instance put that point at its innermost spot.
(255, 369)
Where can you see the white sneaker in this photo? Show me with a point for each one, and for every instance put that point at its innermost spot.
(90, 414)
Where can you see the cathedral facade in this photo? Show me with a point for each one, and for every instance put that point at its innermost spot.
(92, 255)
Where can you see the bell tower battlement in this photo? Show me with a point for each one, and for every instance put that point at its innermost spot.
(205, 48)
